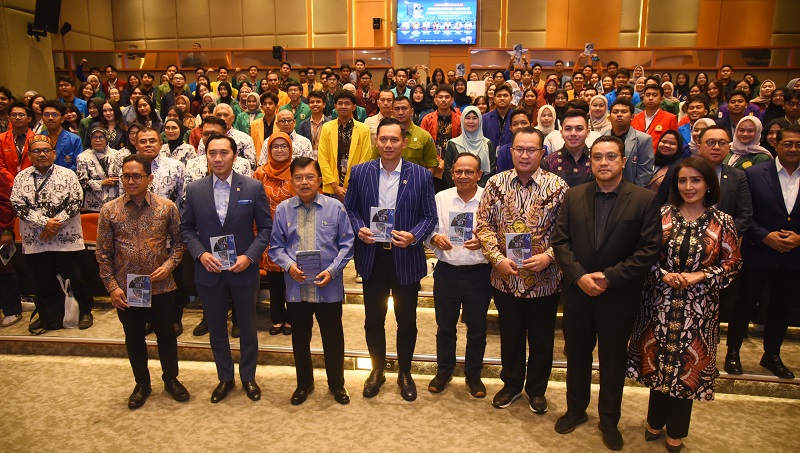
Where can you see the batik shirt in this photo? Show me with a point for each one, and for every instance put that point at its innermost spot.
(182, 153)
(92, 168)
(244, 147)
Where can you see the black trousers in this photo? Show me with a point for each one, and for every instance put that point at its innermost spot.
(133, 323)
(783, 297)
(277, 297)
(376, 298)
(182, 274)
(10, 295)
(534, 319)
(582, 331)
(675, 413)
(49, 297)
(215, 307)
(329, 317)
(456, 288)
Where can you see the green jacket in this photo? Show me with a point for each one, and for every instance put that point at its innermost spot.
(242, 122)
(303, 111)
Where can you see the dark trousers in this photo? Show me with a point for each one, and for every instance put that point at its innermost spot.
(181, 276)
(277, 297)
(783, 295)
(215, 306)
(534, 318)
(10, 295)
(49, 297)
(675, 413)
(455, 287)
(376, 298)
(329, 317)
(133, 321)
(582, 331)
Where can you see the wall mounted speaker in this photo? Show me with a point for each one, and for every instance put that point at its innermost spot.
(277, 53)
(376, 23)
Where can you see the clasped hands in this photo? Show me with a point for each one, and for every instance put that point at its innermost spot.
(441, 241)
(214, 265)
(322, 279)
(536, 263)
(683, 280)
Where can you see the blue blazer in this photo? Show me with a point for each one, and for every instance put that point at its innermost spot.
(247, 205)
(492, 131)
(415, 212)
(769, 214)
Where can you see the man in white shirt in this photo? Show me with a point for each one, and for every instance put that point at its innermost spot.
(301, 146)
(385, 100)
(461, 278)
(244, 143)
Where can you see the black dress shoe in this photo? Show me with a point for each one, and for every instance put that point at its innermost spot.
(252, 390)
(235, 330)
(276, 329)
(148, 328)
(568, 422)
(178, 328)
(538, 405)
(612, 438)
(373, 383)
(774, 363)
(201, 328)
(300, 395)
(476, 387)
(674, 448)
(408, 389)
(222, 390)
(439, 382)
(139, 396)
(85, 321)
(287, 329)
(177, 390)
(649, 437)
(341, 396)
(505, 397)
(733, 364)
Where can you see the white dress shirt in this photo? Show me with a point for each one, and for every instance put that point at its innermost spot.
(789, 185)
(448, 201)
(388, 183)
(222, 193)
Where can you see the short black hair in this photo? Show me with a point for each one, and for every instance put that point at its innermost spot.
(401, 99)
(176, 67)
(609, 139)
(736, 93)
(340, 94)
(286, 63)
(578, 104)
(145, 162)
(463, 154)
(345, 66)
(303, 162)
(215, 136)
(624, 102)
(389, 121)
(709, 175)
(612, 63)
(65, 79)
(215, 121)
(365, 73)
(401, 69)
(575, 113)
(790, 94)
(505, 88)
(792, 128)
(726, 66)
(268, 95)
(535, 65)
(529, 130)
(625, 88)
(520, 112)
(714, 128)
(294, 83)
(20, 105)
(558, 61)
(113, 68)
(315, 94)
(332, 74)
(624, 72)
(654, 87)
(444, 87)
(698, 98)
(54, 104)
(362, 61)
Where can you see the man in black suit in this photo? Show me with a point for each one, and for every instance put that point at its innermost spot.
(227, 203)
(607, 237)
(771, 253)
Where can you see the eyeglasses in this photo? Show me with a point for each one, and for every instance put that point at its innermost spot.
(135, 177)
(526, 151)
(98, 137)
(152, 141)
(467, 173)
(300, 178)
(789, 145)
(611, 157)
(283, 147)
(40, 151)
(51, 114)
(791, 103)
(712, 143)
(18, 115)
(286, 121)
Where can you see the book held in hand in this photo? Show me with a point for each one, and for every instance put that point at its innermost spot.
(223, 248)
(460, 229)
(518, 247)
(309, 262)
(138, 291)
(381, 222)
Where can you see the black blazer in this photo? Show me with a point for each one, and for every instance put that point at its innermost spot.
(769, 214)
(630, 247)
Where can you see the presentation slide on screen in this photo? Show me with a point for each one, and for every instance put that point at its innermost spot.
(437, 22)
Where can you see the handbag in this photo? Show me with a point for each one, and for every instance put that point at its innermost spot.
(71, 309)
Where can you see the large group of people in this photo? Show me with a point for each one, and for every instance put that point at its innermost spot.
(641, 203)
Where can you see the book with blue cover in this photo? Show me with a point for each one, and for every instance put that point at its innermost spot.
(518, 247)
(223, 248)
(381, 222)
(138, 291)
(460, 228)
(309, 262)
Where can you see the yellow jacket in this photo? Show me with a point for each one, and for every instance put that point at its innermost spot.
(317, 87)
(257, 134)
(327, 155)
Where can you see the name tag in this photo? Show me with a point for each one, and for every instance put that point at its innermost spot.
(245, 202)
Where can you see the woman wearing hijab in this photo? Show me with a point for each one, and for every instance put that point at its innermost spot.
(775, 108)
(769, 136)
(226, 94)
(93, 105)
(546, 120)
(174, 146)
(94, 81)
(793, 84)
(98, 169)
(550, 89)
(252, 112)
(184, 106)
(560, 105)
(682, 86)
(470, 141)
(531, 102)
(669, 153)
(420, 104)
(669, 95)
(699, 126)
(764, 95)
(746, 150)
(598, 114)
(276, 177)
(460, 96)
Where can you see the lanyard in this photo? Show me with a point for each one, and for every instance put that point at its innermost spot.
(40, 186)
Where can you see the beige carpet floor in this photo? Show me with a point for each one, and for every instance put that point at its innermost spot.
(78, 404)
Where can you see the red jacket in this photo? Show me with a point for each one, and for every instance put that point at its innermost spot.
(370, 104)
(662, 122)
(120, 86)
(9, 161)
(431, 123)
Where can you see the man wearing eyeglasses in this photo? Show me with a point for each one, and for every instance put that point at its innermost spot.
(301, 146)
(132, 234)
(461, 278)
(68, 145)
(607, 237)
(771, 253)
(791, 105)
(14, 143)
(526, 199)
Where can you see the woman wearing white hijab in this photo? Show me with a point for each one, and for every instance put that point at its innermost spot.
(470, 141)
(598, 114)
(699, 126)
(746, 149)
(546, 120)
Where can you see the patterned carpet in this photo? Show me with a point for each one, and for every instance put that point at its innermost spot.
(78, 404)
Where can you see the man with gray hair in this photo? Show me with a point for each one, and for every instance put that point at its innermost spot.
(244, 143)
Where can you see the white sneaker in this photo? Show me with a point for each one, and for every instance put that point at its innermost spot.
(11, 320)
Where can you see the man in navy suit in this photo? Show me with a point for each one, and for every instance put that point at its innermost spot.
(771, 253)
(227, 203)
(399, 263)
